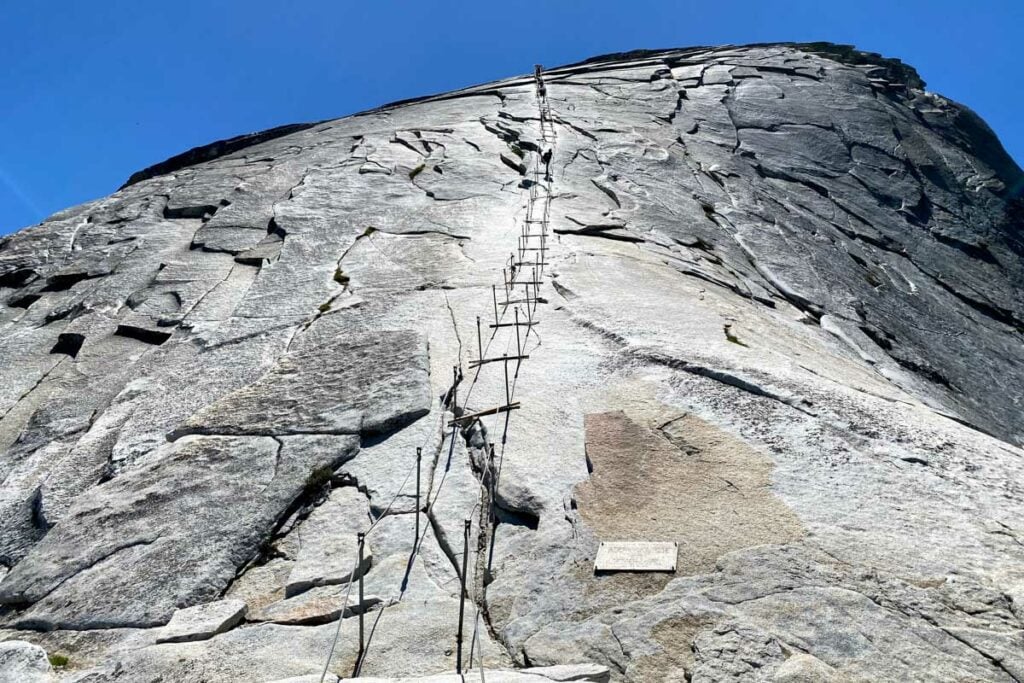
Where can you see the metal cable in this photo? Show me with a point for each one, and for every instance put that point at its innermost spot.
(489, 471)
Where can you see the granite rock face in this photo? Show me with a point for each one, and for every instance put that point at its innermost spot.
(777, 319)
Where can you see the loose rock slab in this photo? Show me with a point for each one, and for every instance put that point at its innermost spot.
(316, 606)
(202, 621)
(361, 382)
(328, 543)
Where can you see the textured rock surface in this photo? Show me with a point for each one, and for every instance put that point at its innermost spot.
(781, 323)
(202, 621)
(22, 662)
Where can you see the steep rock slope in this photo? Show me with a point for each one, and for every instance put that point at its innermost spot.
(775, 316)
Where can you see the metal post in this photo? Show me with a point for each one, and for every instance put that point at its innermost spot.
(494, 293)
(362, 542)
(455, 388)
(479, 340)
(508, 396)
(536, 290)
(493, 483)
(462, 593)
(519, 347)
(419, 459)
(492, 516)
(504, 278)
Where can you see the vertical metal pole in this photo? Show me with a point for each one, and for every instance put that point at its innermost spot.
(508, 396)
(479, 341)
(362, 542)
(504, 278)
(494, 475)
(519, 347)
(419, 458)
(492, 516)
(494, 293)
(536, 290)
(462, 592)
(455, 388)
(493, 485)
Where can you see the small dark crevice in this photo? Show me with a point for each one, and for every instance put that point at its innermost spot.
(601, 231)
(107, 474)
(529, 146)
(920, 213)
(608, 190)
(709, 213)
(69, 313)
(64, 282)
(17, 278)
(200, 211)
(885, 341)
(273, 228)
(516, 517)
(880, 337)
(154, 337)
(714, 177)
(69, 343)
(765, 172)
(38, 517)
(990, 310)
(680, 96)
(799, 403)
(585, 133)
(516, 164)
(24, 301)
(976, 251)
(925, 370)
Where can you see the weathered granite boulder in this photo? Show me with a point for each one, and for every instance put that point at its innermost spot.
(776, 319)
(22, 662)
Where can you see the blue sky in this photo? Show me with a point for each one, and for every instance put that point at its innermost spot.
(93, 91)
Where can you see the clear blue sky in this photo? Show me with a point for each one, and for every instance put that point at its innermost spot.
(93, 91)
